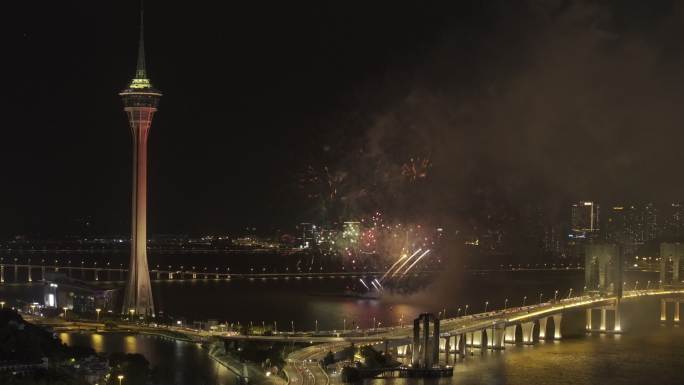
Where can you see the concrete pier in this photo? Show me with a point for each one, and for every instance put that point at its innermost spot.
(528, 332)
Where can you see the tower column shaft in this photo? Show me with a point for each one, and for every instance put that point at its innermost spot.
(138, 297)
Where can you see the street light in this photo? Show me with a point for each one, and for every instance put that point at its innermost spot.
(344, 324)
(120, 377)
(555, 295)
(316, 326)
(505, 303)
(98, 310)
(2, 304)
(292, 324)
(486, 304)
(540, 297)
(458, 313)
(466, 311)
(65, 312)
(648, 284)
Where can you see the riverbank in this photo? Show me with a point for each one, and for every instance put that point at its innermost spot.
(244, 370)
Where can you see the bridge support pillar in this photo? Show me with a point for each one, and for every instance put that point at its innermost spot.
(663, 310)
(415, 349)
(42, 273)
(542, 327)
(28, 270)
(603, 319)
(170, 275)
(16, 273)
(510, 334)
(676, 310)
(617, 327)
(528, 332)
(2, 273)
(461, 342)
(588, 325)
(557, 319)
(96, 275)
(497, 338)
(158, 275)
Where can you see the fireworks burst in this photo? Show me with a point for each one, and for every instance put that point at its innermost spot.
(416, 168)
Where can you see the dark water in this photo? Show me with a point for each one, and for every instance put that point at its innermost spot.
(303, 301)
(175, 362)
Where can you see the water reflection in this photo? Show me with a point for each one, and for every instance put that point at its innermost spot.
(131, 344)
(176, 362)
(96, 342)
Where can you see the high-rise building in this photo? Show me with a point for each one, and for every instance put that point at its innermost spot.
(585, 217)
(615, 225)
(631, 226)
(584, 226)
(140, 101)
(671, 223)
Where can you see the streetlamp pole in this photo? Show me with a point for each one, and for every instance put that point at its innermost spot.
(466, 311)
(524, 299)
(486, 304)
(98, 313)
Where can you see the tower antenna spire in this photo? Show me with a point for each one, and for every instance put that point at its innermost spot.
(140, 72)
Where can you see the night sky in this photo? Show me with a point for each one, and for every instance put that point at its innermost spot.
(500, 104)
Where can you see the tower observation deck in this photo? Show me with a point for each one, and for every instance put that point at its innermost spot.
(140, 101)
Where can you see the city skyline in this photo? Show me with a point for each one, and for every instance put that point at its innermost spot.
(249, 138)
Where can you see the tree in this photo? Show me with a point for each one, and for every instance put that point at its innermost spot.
(134, 367)
(350, 374)
(328, 359)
